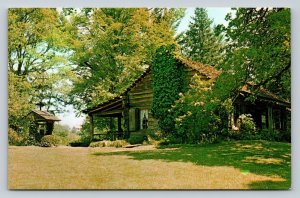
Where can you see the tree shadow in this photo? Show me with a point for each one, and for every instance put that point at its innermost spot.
(258, 157)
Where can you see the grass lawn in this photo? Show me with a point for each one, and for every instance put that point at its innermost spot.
(228, 165)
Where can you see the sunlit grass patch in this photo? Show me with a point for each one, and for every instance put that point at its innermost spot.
(258, 157)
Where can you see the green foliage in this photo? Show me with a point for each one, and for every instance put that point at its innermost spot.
(154, 134)
(61, 130)
(18, 106)
(247, 129)
(137, 139)
(14, 138)
(247, 123)
(115, 49)
(200, 118)
(107, 143)
(168, 82)
(65, 134)
(200, 42)
(256, 36)
(50, 140)
(82, 142)
(37, 54)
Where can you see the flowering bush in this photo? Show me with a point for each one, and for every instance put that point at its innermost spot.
(199, 116)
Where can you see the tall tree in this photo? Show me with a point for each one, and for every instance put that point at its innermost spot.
(200, 42)
(18, 97)
(37, 52)
(114, 47)
(259, 51)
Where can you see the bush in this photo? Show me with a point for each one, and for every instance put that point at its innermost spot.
(247, 129)
(247, 123)
(279, 136)
(137, 139)
(169, 140)
(14, 138)
(50, 140)
(284, 136)
(68, 139)
(82, 142)
(154, 134)
(30, 141)
(108, 143)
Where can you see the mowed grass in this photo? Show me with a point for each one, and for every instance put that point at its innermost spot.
(228, 165)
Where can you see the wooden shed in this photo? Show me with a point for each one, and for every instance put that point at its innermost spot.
(44, 122)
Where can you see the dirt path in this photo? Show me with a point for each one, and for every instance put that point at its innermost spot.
(77, 168)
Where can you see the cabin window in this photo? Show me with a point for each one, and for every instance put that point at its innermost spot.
(144, 119)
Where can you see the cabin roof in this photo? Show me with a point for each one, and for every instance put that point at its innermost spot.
(46, 115)
(204, 69)
(265, 94)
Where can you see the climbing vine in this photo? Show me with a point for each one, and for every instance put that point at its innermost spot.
(167, 84)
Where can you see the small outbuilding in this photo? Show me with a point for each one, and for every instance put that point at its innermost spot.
(43, 122)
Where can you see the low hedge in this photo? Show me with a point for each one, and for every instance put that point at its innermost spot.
(50, 140)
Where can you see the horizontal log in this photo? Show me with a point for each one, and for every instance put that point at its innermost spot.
(141, 101)
(137, 97)
(141, 88)
(150, 91)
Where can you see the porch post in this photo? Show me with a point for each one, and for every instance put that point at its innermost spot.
(270, 119)
(92, 126)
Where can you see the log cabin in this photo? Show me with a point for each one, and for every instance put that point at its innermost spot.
(132, 108)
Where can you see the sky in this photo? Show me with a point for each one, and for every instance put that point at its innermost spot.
(216, 13)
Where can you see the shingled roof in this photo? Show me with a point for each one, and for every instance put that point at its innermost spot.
(46, 115)
(204, 69)
(265, 94)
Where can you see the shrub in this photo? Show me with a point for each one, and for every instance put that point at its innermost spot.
(247, 129)
(284, 136)
(30, 141)
(247, 123)
(108, 143)
(137, 139)
(280, 136)
(68, 139)
(14, 138)
(170, 140)
(50, 140)
(82, 142)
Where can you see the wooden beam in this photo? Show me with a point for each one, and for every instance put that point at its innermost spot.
(117, 111)
(100, 108)
(141, 93)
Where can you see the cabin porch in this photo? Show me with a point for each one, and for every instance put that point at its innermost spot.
(267, 114)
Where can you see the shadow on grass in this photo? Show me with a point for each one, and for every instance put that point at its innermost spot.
(258, 157)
